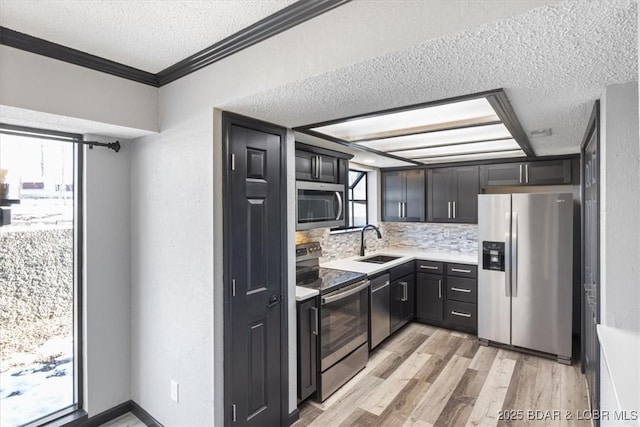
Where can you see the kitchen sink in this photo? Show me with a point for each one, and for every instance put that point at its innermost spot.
(379, 259)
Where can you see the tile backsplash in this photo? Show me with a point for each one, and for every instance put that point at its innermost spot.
(340, 245)
(457, 238)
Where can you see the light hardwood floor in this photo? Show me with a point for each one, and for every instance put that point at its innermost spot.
(426, 376)
(126, 420)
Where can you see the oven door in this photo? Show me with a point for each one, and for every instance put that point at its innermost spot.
(344, 324)
(319, 205)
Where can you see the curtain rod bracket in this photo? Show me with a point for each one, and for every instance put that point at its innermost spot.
(115, 146)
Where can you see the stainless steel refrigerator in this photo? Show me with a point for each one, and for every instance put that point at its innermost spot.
(525, 271)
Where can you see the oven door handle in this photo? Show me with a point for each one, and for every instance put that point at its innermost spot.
(345, 294)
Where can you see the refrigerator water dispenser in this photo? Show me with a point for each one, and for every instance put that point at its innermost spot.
(493, 255)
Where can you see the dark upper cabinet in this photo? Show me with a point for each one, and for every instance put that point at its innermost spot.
(403, 195)
(307, 317)
(453, 194)
(544, 172)
(318, 167)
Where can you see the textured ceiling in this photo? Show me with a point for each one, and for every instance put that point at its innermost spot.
(553, 62)
(150, 35)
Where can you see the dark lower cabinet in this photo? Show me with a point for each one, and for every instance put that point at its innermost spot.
(447, 295)
(307, 316)
(429, 297)
(402, 304)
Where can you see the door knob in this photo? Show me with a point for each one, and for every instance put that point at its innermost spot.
(274, 300)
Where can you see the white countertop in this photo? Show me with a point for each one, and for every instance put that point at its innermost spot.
(303, 293)
(406, 254)
(621, 349)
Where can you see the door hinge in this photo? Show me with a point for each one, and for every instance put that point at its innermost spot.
(233, 287)
(233, 413)
(233, 162)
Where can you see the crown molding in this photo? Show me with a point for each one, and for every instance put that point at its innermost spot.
(289, 17)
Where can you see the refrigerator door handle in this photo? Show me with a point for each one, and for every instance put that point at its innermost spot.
(514, 253)
(507, 253)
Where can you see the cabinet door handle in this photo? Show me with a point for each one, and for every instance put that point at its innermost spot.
(454, 209)
(405, 291)
(399, 209)
(526, 173)
(428, 267)
(520, 175)
(457, 313)
(404, 209)
(449, 210)
(460, 270)
(314, 320)
(440, 288)
(466, 291)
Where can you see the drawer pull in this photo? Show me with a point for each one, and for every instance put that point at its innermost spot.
(428, 267)
(460, 270)
(457, 313)
(466, 291)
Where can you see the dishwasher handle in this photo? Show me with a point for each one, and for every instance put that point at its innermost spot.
(379, 288)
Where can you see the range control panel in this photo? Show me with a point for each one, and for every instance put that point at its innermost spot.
(493, 255)
(308, 250)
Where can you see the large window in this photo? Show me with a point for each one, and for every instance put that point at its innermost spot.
(357, 195)
(39, 275)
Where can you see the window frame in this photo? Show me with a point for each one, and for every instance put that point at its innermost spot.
(76, 410)
(350, 200)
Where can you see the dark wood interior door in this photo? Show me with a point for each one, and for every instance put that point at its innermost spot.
(591, 259)
(255, 312)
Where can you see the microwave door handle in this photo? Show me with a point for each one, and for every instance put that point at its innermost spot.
(339, 216)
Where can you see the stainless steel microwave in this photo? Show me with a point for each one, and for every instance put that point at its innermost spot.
(319, 205)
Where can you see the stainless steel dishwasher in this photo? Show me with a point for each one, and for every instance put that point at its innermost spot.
(380, 316)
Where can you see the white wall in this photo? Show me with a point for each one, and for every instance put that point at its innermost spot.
(172, 294)
(107, 321)
(619, 226)
(42, 84)
(619, 206)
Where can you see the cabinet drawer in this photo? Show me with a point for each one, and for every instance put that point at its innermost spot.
(401, 270)
(462, 289)
(462, 270)
(430, 267)
(462, 314)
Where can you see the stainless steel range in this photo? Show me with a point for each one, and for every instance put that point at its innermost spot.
(344, 314)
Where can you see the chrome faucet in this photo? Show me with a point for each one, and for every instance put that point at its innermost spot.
(362, 246)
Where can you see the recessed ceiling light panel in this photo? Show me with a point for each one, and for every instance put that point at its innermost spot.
(474, 127)
(470, 148)
(470, 112)
(445, 137)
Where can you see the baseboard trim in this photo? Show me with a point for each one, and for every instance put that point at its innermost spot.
(144, 416)
(105, 417)
(294, 416)
(115, 412)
